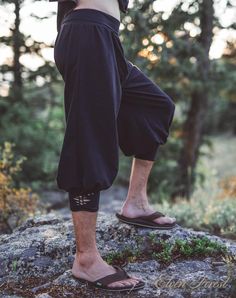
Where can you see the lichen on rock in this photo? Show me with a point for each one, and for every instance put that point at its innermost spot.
(36, 259)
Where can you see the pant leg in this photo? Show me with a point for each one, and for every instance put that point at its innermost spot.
(145, 115)
(85, 57)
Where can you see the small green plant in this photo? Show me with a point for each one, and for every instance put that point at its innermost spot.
(199, 247)
(165, 251)
(113, 256)
(127, 254)
(14, 265)
(165, 255)
(153, 238)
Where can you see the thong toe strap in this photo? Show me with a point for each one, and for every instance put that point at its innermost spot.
(152, 216)
(120, 274)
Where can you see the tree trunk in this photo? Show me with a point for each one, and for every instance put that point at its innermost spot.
(193, 126)
(17, 84)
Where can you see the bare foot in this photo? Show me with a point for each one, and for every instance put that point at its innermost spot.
(91, 266)
(139, 206)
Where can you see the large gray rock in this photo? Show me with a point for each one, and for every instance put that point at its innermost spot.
(35, 261)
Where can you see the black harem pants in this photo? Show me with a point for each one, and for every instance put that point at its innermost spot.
(109, 104)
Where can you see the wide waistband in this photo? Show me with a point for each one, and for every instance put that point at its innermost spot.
(93, 16)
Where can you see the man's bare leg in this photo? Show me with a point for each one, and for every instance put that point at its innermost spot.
(88, 263)
(136, 203)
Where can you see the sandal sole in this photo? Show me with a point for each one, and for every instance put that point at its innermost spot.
(147, 226)
(123, 289)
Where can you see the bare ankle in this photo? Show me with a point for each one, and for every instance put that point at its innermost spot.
(87, 258)
(137, 201)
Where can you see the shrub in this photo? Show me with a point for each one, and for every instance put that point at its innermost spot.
(206, 210)
(15, 203)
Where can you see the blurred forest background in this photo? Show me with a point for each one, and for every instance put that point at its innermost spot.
(194, 176)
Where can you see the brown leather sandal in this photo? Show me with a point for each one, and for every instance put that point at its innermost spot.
(120, 274)
(147, 221)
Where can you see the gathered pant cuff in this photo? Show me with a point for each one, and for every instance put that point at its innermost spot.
(150, 155)
(84, 202)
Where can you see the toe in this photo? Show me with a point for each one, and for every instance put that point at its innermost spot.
(115, 284)
(165, 219)
(134, 277)
(134, 281)
(130, 281)
(126, 282)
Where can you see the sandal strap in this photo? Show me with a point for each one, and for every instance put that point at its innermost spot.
(120, 274)
(152, 216)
